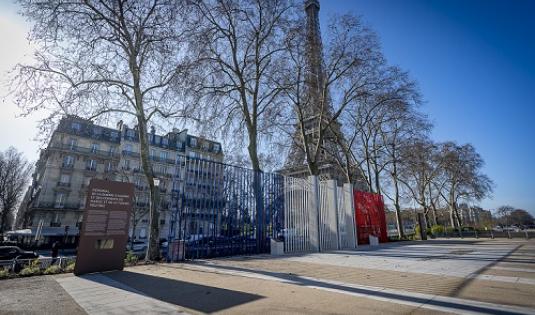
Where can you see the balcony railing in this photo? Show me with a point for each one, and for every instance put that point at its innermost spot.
(68, 147)
(54, 205)
(162, 160)
(67, 165)
(130, 153)
(62, 184)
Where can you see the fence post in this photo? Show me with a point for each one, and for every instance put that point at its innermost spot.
(314, 213)
(350, 204)
(334, 188)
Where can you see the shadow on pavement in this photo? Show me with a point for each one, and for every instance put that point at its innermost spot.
(198, 297)
(394, 297)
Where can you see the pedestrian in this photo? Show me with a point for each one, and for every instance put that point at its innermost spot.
(55, 249)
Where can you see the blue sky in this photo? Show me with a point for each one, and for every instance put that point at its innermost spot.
(474, 61)
(475, 64)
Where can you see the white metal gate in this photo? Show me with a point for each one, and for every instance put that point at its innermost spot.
(318, 216)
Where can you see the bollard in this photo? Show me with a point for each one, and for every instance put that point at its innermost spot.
(491, 234)
(527, 236)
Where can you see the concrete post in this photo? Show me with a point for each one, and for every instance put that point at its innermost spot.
(314, 213)
(350, 202)
(334, 188)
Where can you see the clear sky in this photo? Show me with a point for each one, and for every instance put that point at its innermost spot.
(475, 64)
(474, 61)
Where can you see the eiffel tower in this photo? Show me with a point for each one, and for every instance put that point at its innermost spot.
(296, 164)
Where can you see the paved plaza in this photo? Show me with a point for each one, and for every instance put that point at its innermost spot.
(436, 276)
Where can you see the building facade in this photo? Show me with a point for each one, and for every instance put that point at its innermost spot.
(80, 150)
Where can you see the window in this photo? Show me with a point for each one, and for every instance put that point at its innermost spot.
(109, 167)
(65, 178)
(164, 155)
(76, 126)
(193, 142)
(60, 200)
(73, 143)
(91, 165)
(152, 153)
(68, 161)
(95, 147)
(97, 131)
(86, 181)
(217, 147)
(126, 164)
(114, 135)
(143, 233)
(206, 146)
(82, 204)
(165, 141)
(128, 148)
(130, 133)
(113, 150)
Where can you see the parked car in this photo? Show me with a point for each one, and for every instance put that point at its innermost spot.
(136, 246)
(12, 252)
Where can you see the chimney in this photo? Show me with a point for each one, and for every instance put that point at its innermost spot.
(120, 125)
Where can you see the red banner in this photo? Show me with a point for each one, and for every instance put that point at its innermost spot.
(370, 217)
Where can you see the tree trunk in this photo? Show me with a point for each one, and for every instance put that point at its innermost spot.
(153, 251)
(396, 203)
(399, 222)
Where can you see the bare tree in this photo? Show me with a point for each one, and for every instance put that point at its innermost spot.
(241, 48)
(363, 122)
(321, 86)
(504, 212)
(105, 59)
(420, 166)
(15, 173)
(462, 178)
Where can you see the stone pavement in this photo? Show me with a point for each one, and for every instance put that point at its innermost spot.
(36, 295)
(444, 276)
(498, 272)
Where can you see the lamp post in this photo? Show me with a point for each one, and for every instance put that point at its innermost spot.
(156, 181)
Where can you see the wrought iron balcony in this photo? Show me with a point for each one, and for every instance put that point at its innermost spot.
(92, 151)
(54, 205)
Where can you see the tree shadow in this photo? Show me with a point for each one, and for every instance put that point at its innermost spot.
(194, 296)
(467, 281)
(457, 306)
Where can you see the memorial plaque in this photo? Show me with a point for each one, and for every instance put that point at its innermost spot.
(104, 231)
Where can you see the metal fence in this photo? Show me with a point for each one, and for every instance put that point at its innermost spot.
(523, 234)
(222, 210)
(15, 265)
(319, 216)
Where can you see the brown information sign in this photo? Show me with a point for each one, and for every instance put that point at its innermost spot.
(104, 232)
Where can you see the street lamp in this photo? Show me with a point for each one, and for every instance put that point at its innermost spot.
(156, 204)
